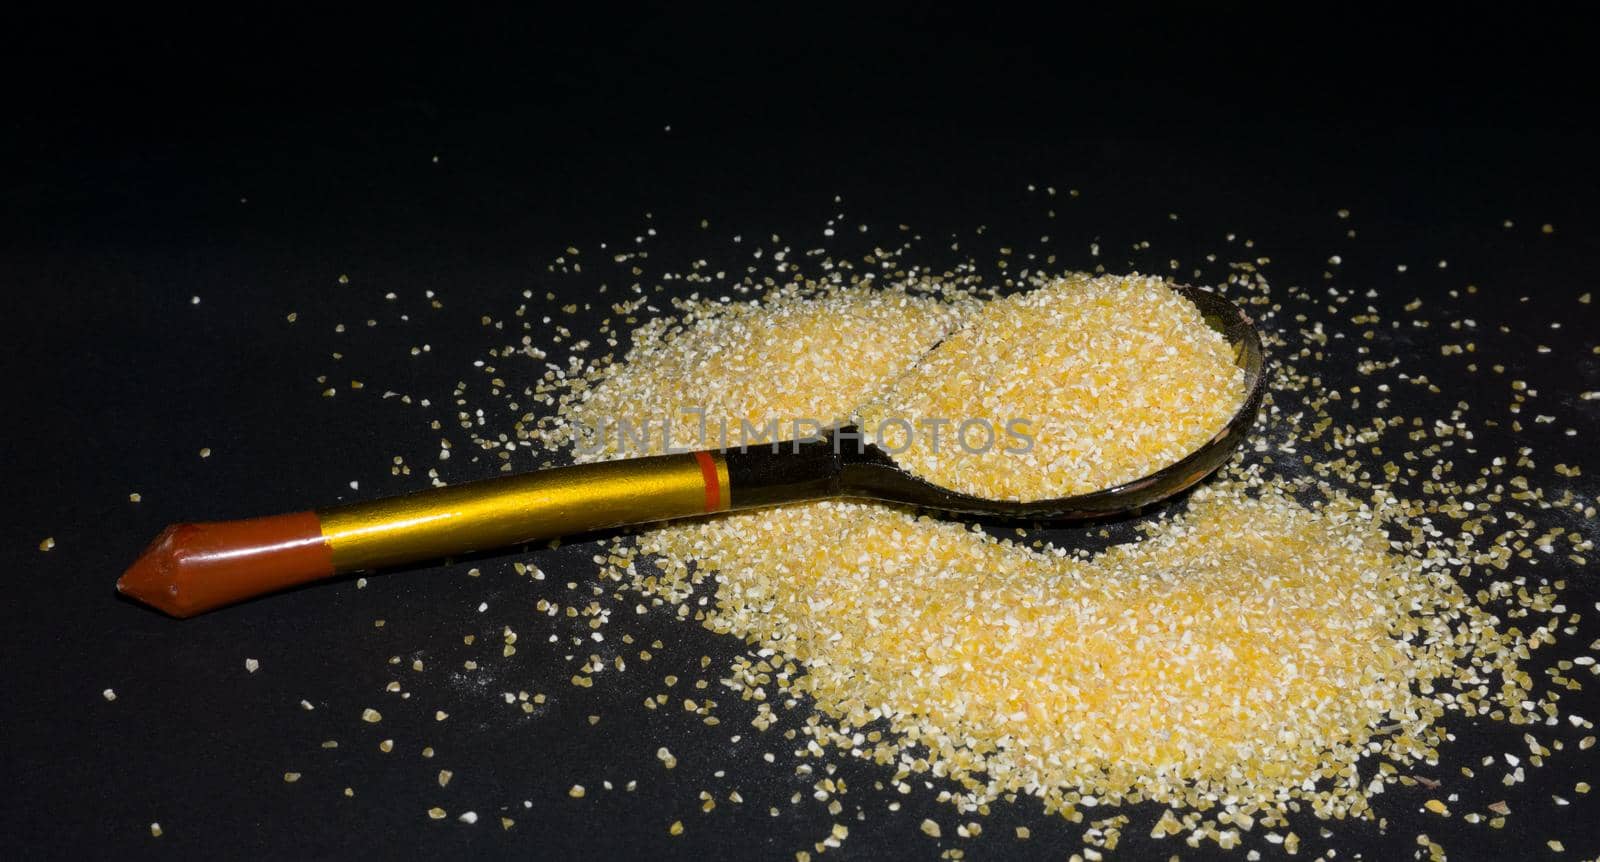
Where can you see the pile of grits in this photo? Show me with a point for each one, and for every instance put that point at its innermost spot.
(1274, 643)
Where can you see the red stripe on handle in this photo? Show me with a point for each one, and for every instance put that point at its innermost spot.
(708, 472)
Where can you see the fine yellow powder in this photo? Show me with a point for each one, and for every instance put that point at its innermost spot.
(1114, 377)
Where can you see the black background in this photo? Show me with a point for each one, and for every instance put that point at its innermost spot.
(251, 160)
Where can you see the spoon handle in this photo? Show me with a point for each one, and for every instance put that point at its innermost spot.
(193, 568)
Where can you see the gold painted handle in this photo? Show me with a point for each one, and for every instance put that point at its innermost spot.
(193, 568)
(512, 510)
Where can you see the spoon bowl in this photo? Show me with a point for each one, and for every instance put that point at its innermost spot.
(839, 464)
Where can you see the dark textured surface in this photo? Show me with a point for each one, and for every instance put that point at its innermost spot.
(252, 164)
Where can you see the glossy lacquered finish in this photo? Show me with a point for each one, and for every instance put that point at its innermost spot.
(495, 513)
(192, 568)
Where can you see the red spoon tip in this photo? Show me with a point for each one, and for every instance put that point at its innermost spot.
(193, 568)
(152, 579)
